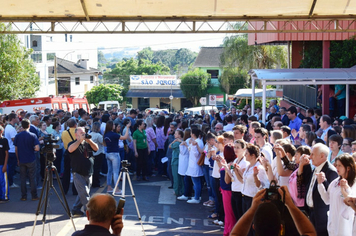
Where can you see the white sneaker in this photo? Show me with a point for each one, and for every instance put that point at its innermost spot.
(14, 186)
(182, 198)
(221, 223)
(193, 201)
(216, 222)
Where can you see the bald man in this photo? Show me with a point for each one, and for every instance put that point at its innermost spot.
(315, 205)
(101, 214)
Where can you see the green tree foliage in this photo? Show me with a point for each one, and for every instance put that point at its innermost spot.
(145, 54)
(238, 53)
(238, 57)
(194, 85)
(312, 55)
(232, 79)
(120, 74)
(173, 58)
(342, 54)
(104, 92)
(18, 77)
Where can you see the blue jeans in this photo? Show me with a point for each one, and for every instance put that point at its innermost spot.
(206, 171)
(113, 160)
(187, 186)
(197, 187)
(11, 166)
(4, 187)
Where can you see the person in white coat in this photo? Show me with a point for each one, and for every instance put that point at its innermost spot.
(195, 148)
(183, 165)
(341, 216)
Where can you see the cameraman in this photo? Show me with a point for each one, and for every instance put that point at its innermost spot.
(82, 168)
(266, 218)
(101, 214)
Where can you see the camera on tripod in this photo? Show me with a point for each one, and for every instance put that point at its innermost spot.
(48, 149)
(125, 163)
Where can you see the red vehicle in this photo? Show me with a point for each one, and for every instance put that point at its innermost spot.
(40, 104)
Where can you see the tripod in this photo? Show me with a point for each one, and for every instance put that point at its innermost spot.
(125, 174)
(47, 184)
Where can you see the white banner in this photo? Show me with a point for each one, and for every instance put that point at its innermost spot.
(153, 80)
(202, 101)
(212, 100)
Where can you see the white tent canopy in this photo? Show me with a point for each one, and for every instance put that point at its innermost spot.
(344, 76)
(247, 93)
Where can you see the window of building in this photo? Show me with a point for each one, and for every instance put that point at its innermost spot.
(34, 43)
(50, 56)
(214, 73)
(79, 56)
(37, 58)
(91, 79)
(64, 85)
(77, 81)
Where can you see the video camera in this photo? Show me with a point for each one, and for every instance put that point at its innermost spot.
(48, 150)
(125, 163)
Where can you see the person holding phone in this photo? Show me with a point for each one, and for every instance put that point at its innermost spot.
(102, 215)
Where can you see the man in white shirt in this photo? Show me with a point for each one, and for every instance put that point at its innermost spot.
(229, 125)
(265, 147)
(325, 125)
(10, 133)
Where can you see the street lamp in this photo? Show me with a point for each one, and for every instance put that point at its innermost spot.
(171, 97)
(55, 71)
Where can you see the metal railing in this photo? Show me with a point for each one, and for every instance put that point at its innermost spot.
(302, 95)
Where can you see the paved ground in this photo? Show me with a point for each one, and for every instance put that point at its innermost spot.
(161, 214)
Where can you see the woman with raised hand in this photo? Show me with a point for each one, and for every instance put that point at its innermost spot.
(341, 216)
(225, 187)
(253, 179)
(195, 148)
(183, 165)
(239, 166)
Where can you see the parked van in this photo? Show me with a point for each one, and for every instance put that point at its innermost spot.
(197, 110)
(108, 105)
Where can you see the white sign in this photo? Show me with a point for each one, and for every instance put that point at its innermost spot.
(153, 80)
(212, 100)
(202, 101)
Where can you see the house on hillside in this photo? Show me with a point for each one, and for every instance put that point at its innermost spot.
(74, 79)
(208, 60)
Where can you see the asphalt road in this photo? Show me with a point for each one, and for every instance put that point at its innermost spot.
(161, 214)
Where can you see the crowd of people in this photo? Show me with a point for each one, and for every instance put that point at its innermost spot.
(231, 152)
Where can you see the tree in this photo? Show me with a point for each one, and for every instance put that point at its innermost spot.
(194, 85)
(238, 54)
(145, 54)
(18, 77)
(104, 92)
(232, 79)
